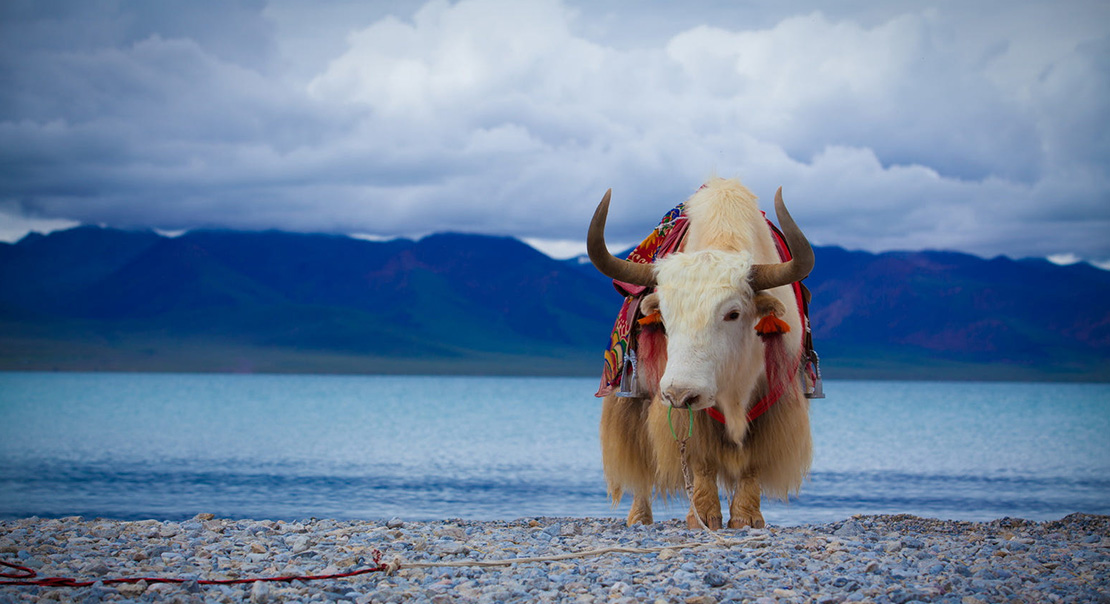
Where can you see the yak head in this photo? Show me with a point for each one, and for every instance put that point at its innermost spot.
(709, 302)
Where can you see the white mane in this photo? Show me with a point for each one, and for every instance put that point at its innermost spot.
(695, 283)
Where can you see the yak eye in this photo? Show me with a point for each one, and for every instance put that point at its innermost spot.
(732, 316)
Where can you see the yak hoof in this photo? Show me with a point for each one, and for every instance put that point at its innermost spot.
(755, 521)
(713, 523)
(640, 518)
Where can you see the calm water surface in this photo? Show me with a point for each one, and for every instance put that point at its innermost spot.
(169, 446)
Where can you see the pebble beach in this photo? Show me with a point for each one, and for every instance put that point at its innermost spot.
(882, 559)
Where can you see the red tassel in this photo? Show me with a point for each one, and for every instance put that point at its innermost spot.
(771, 325)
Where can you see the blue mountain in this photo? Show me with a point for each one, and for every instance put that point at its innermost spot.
(103, 299)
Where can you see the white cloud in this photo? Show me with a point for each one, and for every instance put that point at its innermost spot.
(558, 248)
(14, 226)
(1064, 259)
(960, 127)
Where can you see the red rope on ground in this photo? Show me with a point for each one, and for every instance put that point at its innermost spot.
(27, 576)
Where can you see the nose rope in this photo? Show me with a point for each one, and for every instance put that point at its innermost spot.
(671, 425)
(687, 476)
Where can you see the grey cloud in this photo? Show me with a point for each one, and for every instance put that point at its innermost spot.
(889, 125)
(232, 31)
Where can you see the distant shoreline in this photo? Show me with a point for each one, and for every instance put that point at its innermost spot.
(538, 368)
(898, 558)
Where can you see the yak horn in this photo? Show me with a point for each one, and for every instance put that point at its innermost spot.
(608, 264)
(766, 276)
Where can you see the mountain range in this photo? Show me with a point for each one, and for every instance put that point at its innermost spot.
(93, 298)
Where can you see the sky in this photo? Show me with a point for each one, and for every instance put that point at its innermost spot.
(979, 127)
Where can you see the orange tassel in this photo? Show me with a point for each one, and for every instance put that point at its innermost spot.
(655, 317)
(771, 325)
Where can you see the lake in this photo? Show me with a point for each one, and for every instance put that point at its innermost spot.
(169, 446)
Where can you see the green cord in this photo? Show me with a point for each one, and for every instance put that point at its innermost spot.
(671, 423)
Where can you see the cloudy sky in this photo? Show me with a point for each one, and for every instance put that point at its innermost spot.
(975, 126)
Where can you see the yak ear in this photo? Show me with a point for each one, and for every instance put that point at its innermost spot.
(766, 304)
(650, 304)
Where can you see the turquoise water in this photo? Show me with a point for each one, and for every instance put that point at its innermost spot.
(169, 446)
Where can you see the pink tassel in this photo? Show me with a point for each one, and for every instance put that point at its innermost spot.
(651, 351)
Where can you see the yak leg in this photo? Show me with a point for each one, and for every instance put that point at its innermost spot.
(707, 501)
(744, 509)
(641, 509)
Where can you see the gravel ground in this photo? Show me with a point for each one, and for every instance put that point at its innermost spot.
(895, 559)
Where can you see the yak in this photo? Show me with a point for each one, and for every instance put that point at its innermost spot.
(700, 350)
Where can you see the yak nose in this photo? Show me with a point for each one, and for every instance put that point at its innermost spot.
(681, 397)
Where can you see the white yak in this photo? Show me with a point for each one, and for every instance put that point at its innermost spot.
(710, 295)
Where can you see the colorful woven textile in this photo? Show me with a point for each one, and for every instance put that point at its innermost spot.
(664, 239)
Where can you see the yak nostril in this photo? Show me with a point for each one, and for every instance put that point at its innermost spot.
(682, 398)
(688, 399)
